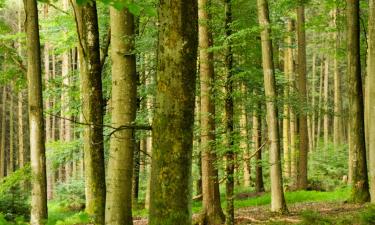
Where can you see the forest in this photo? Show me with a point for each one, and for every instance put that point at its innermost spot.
(187, 112)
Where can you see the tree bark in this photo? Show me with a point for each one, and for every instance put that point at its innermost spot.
(174, 114)
(210, 185)
(257, 142)
(288, 68)
(371, 96)
(326, 103)
(92, 110)
(360, 187)
(3, 131)
(229, 116)
(277, 194)
(302, 117)
(37, 138)
(338, 131)
(124, 106)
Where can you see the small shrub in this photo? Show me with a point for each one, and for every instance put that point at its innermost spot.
(71, 194)
(311, 217)
(367, 217)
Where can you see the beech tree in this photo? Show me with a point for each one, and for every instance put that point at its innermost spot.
(172, 133)
(37, 146)
(277, 194)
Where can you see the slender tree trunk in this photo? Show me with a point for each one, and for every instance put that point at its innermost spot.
(338, 131)
(244, 146)
(313, 103)
(37, 139)
(229, 114)
(288, 68)
(303, 129)
(257, 139)
(10, 165)
(3, 131)
(210, 185)
(92, 110)
(360, 189)
(277, 194)
(320, 103)
(174, 115)
(326, 103)
(124, 106)
(371, 96)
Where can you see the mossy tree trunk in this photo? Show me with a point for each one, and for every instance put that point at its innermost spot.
(172, 134)
(357, 147)
(36, 122)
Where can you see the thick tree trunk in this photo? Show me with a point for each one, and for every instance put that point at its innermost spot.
(124, 106)
(37, 139)
(210, 185)
(277, 194)
(360, 187)
(174, 115)
(302, 118)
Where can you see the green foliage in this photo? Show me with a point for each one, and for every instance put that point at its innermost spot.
(60, 152)
(71, 194)
(328, 165)
(367, 217)
(78, 218)
(311, 217)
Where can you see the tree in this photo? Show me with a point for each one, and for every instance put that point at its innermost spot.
(229, 114)
(92, 109)
(277, 194)
(37, 139)
(371, 95)
(303, 134)
(357, 147)
(124, 98)
(212, 212)
(172, 134)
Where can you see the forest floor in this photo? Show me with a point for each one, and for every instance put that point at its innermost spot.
(305, 208)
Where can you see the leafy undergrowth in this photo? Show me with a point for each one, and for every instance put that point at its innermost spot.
(306, 208)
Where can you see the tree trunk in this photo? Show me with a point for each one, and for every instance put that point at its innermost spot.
(244, 146)
(313, 102)
(360, 187)
(288, 68)
(174, 115)
(10, 165)
(37, 139)
(124, 100)
(326, 103)
(277, 194)
(371, 96)
(229, 114)
(257, 139)
(338, 131)
(320, 103)
(210, 185)
(92, 110)
(302, 118)
(3, 131)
